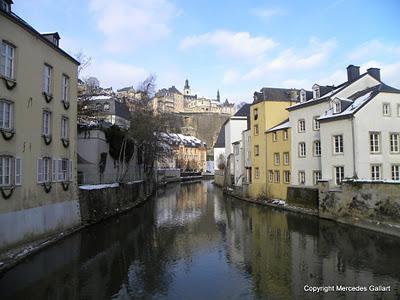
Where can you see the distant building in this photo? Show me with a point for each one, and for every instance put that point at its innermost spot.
(168, 100)
(38, 190)
(219, 149)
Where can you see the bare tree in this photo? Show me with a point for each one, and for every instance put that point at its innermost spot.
(84, 61)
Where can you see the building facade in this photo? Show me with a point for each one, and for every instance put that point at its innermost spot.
(38, 96)
(267, 110)
(306, 144)
(278, 161)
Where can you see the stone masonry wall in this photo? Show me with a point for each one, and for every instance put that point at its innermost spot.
(376, 201)
(303, 196)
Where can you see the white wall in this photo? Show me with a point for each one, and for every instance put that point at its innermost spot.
(237, 159)
(233, 132)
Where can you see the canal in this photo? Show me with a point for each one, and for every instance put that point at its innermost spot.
(191, 242)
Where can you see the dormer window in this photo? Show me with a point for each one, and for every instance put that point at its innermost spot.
(316, 92)
(336, 106)
(5, 5)
(302, 96)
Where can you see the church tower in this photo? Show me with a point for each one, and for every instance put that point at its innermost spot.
(186, 88)
(218, 97)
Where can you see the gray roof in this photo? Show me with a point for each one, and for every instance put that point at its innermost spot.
(220, 143)
(166, 92)
(278, 94)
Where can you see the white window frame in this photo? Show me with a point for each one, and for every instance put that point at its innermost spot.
(277, 159)
(47, 79)
(338, 147)
(376, 172)
(256, 150)
(257, 173)
(5, 170)
(337, 107)
(65, 88)
(395, 168)
(317, 148)
(286, 176)
(6, 117)
(374, 142)
(317, 175)
(394, 138)
(65, 128)
(316, 125)
(274, 136)
(7, 60)
(302, 125)
(285, 135)
(338, 174)
(277, 176)
(46, 123)
(44, 167)
(386, 109)
(286, 158)
(302, 177)
(302, 150)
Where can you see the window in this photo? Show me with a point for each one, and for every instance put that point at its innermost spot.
(375, 172)
(277, 159)
(302, 125)
(274, 137)
(338, 144)
(18, 171)
(277, 176)
(302, 149)
(374, 142)
(386, 109)
(285, 134)
(316, 92)
(62, 168)
(4, 5)
(256, 150)
(5, 170)
(46, 123)
(255, 111)
(106, 106)
(317, 148)
(339, 174)
(286, 176)
(302, 96)
(255, 129)
(337, 107)
(302, 177)
(65, 88)
(270, 176)
(64, 128)
(6, 115)
(316, 123)
(43, 171)
(257, 170)
(286, 158)
(7, 55)
(47, 79)
(395, 172)
(395, 142)
(316, 177)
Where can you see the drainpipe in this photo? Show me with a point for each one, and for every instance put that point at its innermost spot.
(354, 147)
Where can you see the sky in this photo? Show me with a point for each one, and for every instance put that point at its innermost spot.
(237, 47)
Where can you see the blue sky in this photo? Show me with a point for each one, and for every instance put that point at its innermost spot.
(237, 47)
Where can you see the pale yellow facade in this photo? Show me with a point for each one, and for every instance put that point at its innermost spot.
(32, 206)
(278, 163)
(263, 116)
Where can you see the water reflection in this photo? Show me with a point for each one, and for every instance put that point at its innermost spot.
(192, 243)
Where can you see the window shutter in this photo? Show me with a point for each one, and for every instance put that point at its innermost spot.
(3, 58)
(39, 170)
(18, 171)
(70, 170)
(54, 166)
(59, 165)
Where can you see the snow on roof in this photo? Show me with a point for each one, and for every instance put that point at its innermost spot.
(357, 103)
(325, 96)
(187, 140)
(101, 97)
(284, 125)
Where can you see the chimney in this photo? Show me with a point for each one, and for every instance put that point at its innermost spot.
(375, 72)
(293, 95)
(353, 72)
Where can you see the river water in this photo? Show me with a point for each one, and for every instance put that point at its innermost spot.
(191, 242)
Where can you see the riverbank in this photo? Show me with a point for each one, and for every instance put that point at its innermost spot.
(376, 226)
(14, 256)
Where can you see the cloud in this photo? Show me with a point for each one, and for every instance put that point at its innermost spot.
(228, 43)
(231, 76)
(389, 71)
(268, 13)
(374, 48)
(115, 74)
(128, 24)
(290, 60)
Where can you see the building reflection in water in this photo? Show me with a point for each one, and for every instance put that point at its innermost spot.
(190, 241)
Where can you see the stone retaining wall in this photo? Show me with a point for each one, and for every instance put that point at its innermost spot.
(303, 196)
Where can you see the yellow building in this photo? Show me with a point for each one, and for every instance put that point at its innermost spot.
(267, 110)
(278, 160)
(38, 109)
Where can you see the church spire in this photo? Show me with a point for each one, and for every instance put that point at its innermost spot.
(218, 97)
(187, 84)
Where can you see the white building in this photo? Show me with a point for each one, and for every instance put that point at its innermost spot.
(304, 121)
(360, 136)
(234, 127)
(246, 156)
(237, 163)
(219, 149)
